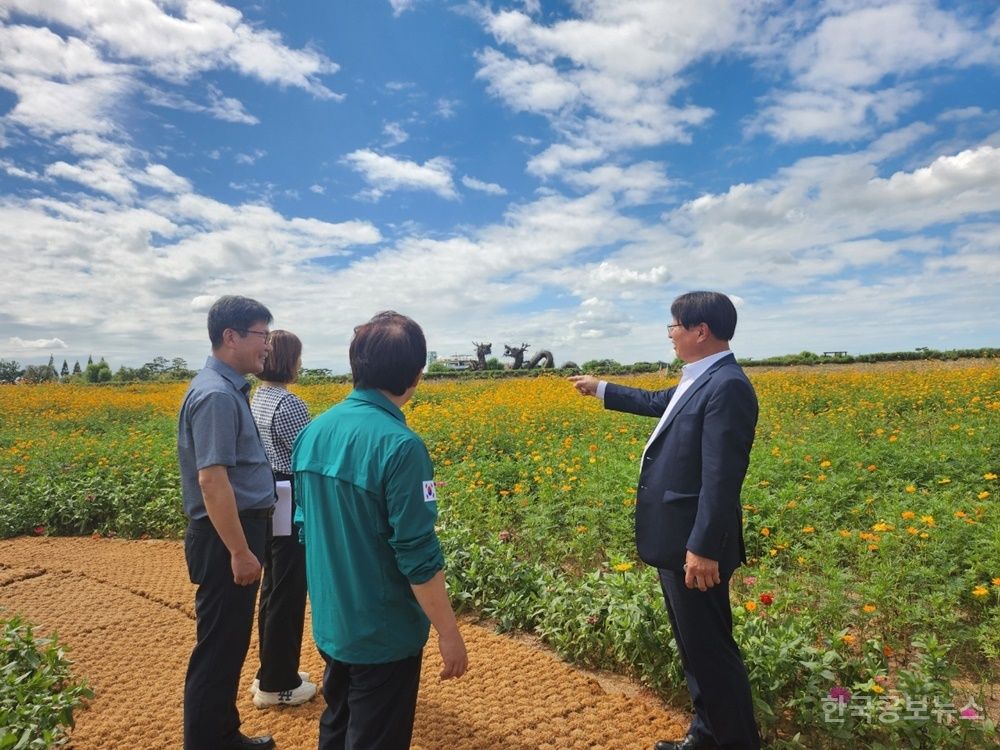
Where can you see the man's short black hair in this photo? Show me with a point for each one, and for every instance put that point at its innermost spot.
(238, 313)
(714, 309)
(388, 352)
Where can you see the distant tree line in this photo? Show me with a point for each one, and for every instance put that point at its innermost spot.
(159, 369)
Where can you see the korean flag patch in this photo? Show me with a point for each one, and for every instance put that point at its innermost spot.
(430, 493)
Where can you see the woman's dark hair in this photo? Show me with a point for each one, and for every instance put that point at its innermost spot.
(279, 367)
(238, 313)
(388, 352)
(714, 309)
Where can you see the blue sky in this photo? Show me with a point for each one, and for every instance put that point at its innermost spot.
(544, 172)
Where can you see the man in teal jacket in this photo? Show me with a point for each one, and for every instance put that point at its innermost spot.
(367, 505)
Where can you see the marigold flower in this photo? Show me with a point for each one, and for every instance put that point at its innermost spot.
(911, 488)
(808, 529)
(980, 591)
(989, 476)
(750, 606)
(872, 467)
(983, 495)
(825, 463)
(623, 567)
(869, 608)
(581, 529)
(878, 689)
(995, 581)
(927, 520)
(765, 531)
(821, 478)
(848, 639)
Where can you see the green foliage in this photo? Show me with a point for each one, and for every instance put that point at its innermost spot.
(97, 372)
(37, 691)
(10, 370)
(492, 363)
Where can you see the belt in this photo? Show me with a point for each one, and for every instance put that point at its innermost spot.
(257, 513)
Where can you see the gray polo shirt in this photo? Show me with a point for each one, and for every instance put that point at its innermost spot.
(215, 428)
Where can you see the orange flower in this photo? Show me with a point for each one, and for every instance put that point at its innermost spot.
(907, 515)
(980, 591)
(869, 608)
(750, 606)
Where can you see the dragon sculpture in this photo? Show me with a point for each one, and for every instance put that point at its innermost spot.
(481, 351)
(517, 354)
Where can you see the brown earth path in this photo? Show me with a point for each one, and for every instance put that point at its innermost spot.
(125, 609)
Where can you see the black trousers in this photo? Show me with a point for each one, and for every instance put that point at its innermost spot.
(369, 706)
(224, 614)
(282, 611)
(717, 679)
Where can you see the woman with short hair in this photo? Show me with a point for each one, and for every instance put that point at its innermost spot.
(280, 415)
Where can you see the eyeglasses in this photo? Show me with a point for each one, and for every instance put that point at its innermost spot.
(672, 326)
(266, 335)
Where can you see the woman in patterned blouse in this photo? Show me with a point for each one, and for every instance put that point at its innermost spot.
(279, 416)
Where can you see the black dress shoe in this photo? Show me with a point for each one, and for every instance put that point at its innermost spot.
(263, 742)
(690, 742)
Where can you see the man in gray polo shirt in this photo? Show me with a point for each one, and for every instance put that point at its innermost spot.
(228, 492)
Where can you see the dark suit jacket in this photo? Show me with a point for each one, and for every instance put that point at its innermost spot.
(692, 473)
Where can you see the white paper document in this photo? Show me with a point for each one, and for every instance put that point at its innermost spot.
(281, 522)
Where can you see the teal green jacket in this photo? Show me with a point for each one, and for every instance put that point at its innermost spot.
(364, 486)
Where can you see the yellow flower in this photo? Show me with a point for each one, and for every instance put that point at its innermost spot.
(944, 480)
(824, 464)
(980, 591)
(907, 515)
(878, 689)
(869, 608)
(821, 478)
(751, 606)
(911, 489)
(581, 529)
(883, 526)
(927, 520)
(844, 533)
(893, 438)
(808, 529)
(983, 495)
(959, 514)
(989, 476)
(623, 567)
(995, 581)
(765, 531)
(872, 467)
(848, 638)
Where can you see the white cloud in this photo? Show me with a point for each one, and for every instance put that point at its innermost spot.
(852, 71)
(606, 79)
(19, 343)
(317, 189)
(97, 174)
(445, 108)
(395, 134)
(484, 187)
(201, 36)
(401, 6)
(386, 174)
(250, 159)
(219, 106)
(637, 184)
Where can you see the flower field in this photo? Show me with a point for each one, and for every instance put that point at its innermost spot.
(871, 512)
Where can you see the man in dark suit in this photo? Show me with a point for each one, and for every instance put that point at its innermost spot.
(688, 516)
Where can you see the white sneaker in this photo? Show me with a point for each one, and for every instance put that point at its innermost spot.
(304, 692)
(255, 685)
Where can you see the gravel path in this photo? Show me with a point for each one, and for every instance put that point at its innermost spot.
(125, 609)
